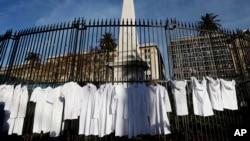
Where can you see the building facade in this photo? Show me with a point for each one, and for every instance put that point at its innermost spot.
(202, 55)
(151, 55)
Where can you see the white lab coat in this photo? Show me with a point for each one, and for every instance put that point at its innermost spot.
(157, 105)
(228, 93)
(91, 124)
(214, 92)
(118, 107)
(8, 91)
(57, 111)
(137, 111)
(43, 110)
(71, 92)
(102, 110)
(201, 101)
(180, 97)
(2, 91)
(167, 103)
(18, 110)
(87, 92)
(7, 98)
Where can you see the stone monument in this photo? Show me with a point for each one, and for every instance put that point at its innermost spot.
(128, 65)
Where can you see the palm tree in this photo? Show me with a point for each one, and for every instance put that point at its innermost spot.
(34, 61)
(107, 45)
(209, 22)
(107, 42)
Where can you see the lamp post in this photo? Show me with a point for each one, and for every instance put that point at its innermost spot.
(170, 26)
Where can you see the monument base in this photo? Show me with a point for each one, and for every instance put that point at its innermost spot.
(128, 69)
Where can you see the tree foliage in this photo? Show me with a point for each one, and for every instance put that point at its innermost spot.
(108, 42)
(33, 58)
(210, 22)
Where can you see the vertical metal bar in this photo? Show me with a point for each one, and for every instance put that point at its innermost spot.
(5, 43)
(31, 50)
(3, 48)
(167, 32)
(11, 59)
(29, 65)
(79, 53)
(36, 49)
(25, 39)
(66, 53)
(88, 56)
(52, 53)
(19, 58)
(93, 58)
(97, 61)
(19, 64)
(164, 50)
(46, 50)
(57, 54)
(61, 53)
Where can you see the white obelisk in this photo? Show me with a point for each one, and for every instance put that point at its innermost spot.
(128, 66)
(127, 44)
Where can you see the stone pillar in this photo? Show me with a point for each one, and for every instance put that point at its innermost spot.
(128, 65)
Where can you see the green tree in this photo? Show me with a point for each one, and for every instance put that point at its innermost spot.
(209, 21)
(34, 61)
(107, 46)
(108, 42)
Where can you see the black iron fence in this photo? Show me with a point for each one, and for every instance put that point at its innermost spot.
(102, 51)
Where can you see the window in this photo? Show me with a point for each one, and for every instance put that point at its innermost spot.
(147, 56)
(146, 50)
(148, 76)
(149, 63)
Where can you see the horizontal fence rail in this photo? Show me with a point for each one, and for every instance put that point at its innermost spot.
(124, 52)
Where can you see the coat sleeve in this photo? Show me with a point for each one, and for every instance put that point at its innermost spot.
(96, 105)
(33, 97)
(63, 90)
(113, 101)
(166, 99)
(127, 104)
(24, 102)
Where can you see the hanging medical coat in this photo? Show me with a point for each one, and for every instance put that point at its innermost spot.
(57, 111)
(158, 105)
(180, 96)
(102, 110)
(7, 98)
(18, 110)
(71, 92)
(91, 124)
(228, 93)
(87, 92)
(214, 92)
(118, 107)
(137, 111)
(201, 101)
(43, 110)
(2, 90)
(8, 93)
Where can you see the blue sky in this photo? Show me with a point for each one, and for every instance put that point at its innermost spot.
(21, 14)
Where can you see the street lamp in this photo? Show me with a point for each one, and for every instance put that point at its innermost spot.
(170, 26)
